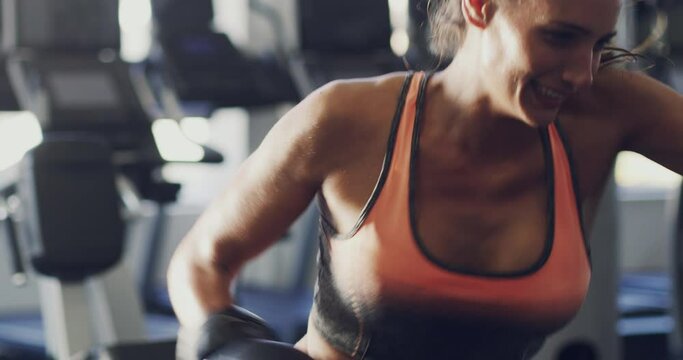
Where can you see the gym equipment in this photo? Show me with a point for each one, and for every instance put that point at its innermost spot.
(73, 230)
(8, 100)
(66, 70)
(674, 31)
(676, 339)
(340, 41)
(90, 91)
(201, 65)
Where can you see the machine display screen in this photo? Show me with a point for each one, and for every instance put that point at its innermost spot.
(675, 30)
(330, 25)
(66, 23)
(83, 90)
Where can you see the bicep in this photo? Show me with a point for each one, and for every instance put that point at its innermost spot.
(270, 190)
(258, 207)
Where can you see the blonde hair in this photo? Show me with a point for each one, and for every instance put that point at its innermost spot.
(447, 25)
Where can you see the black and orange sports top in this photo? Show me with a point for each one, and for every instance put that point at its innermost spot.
(381, 296)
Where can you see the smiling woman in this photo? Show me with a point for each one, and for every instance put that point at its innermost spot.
(454, 204)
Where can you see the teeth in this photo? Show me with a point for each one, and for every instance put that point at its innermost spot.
(550, 93)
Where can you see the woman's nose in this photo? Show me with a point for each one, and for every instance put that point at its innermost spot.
(580, 70)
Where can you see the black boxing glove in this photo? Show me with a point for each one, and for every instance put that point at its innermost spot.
(233, 325)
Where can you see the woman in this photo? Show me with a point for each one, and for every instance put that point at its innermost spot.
(454, 206)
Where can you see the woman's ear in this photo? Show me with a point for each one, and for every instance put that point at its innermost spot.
(477, 12)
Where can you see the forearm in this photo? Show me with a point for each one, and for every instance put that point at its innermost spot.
(197, 287)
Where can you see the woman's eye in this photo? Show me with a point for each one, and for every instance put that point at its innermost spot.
(600, 46)
(559, 38)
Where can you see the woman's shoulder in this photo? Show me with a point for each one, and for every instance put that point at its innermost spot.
(355, 107)
(618, 102)
(622, 110)
(349, 115)
(621, 91)
(360, 99)
(624, 101)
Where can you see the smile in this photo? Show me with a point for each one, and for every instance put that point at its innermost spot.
(550, 93)
(548, 96)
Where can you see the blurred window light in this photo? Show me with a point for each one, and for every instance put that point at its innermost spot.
(134, 14)
(633, 170)
(172, 143)
(19, 132)
(196, 129)
(233, 17)
(135, 20)
(400, 42)
(398, 11)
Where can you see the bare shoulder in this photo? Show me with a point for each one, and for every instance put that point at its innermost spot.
(633, 97)
(596, 123)
(361, 101)
(344, 117)
(613, 89)
(623, 110)
(649, 113)
(620, 82)
(625, 103)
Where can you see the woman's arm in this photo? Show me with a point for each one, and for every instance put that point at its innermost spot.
(652, 114)
(334, 139)
(272, 187)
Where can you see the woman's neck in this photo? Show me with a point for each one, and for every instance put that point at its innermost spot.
(463, 111)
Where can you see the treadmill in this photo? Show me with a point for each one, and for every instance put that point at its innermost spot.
(343, 40)
(201, 65)
(63, 65)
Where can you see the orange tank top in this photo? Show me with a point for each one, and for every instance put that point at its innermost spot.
(377, 285)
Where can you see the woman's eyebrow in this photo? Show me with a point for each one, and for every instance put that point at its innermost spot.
(609, 36)
(580, 29)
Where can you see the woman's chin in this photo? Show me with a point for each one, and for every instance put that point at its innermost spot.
(535, 112)
(539, 118)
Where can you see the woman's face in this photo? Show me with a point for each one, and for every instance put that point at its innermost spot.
(536, 53)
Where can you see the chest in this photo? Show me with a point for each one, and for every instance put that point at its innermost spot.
(491, 217)
(471, 215)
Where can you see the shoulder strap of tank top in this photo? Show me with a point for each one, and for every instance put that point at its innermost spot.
(563, 145)
(327, 223)
(419, 108)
